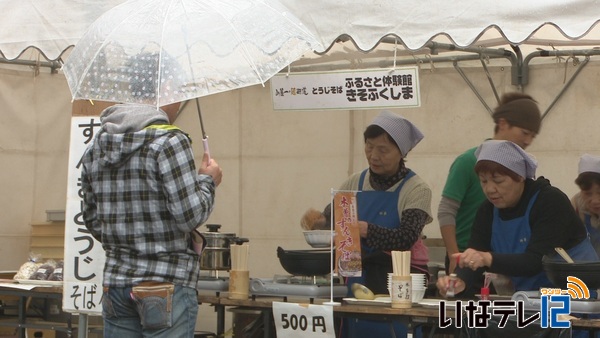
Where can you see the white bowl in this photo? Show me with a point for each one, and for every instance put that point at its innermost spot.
(319, 238)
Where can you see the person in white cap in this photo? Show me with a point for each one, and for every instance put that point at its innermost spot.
(394, 205)
(587, 201)
(518, 119)
(522, 220)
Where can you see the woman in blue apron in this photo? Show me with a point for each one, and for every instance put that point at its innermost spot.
(394, 204)
(522, 220)
(587, 201)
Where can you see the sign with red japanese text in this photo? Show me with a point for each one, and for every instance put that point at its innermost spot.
(347, 237)
(84, 256)
(303, 320)
(361, 89)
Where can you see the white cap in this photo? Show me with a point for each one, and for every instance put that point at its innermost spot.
(589, 163)
(508, 154)
(405, 134)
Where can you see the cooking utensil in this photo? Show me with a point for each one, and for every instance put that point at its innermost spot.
(216, 254)
(564, 255)
(558, 271)
(305, 262)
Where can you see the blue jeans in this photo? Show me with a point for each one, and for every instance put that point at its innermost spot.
(151, 316)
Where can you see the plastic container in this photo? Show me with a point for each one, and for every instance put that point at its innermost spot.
(451, 286)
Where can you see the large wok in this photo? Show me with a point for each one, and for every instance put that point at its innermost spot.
(558, 271)
(305, 262)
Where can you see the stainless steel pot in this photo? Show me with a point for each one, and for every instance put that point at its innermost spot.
(217, 255)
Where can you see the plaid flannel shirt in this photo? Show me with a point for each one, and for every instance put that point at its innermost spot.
(142, 198)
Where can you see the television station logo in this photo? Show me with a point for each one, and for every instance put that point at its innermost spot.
(554, 302)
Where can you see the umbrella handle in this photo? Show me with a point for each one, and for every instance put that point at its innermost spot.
(205, 145)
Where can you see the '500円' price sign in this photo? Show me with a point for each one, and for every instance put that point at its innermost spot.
(303, 320)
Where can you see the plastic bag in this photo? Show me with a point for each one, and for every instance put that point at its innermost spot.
(44, 271)
(57, 274)
(28, 268)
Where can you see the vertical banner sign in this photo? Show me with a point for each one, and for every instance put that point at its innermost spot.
(347, 237)
(84, 256)
(294, 320)
(360, 89)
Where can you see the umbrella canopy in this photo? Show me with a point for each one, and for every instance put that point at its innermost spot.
(164, 51)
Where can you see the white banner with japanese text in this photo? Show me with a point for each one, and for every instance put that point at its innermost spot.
(84, 256)
(361, 89)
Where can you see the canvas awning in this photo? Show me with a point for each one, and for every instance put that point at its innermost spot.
(364, 33)
(52, 27)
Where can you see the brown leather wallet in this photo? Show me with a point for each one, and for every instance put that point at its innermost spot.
(154, 289)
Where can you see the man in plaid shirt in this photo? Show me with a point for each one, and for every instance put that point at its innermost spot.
(142, 198)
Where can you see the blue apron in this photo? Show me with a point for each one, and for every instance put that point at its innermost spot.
(594, 233)
(513, 237)
(381, 208)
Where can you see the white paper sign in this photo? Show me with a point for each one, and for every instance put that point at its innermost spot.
(363, 89)
(303, 320)
(84, 256)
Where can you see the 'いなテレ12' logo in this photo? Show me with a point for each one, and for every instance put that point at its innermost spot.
(576, 289)
(553, 303)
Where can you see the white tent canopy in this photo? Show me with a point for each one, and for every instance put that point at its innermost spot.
(53, 27)
(417, 22)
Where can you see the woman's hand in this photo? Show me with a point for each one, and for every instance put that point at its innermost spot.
(363, 228)
(443, 283)
(474, 259)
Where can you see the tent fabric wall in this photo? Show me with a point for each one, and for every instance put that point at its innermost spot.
(33, 136)
(278, 164)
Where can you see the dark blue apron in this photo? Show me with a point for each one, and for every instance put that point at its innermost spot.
(381, 208)
(594, 233)
(513, 237)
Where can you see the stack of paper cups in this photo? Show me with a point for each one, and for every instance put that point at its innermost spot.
(418, 287)
(400, 292)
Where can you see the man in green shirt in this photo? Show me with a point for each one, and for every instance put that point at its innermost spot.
(517, 118)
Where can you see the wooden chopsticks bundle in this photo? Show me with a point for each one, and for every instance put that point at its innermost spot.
(401, 263)
(239, 257)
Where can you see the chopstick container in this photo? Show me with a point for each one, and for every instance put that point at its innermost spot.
(401, 292)
(401, 285)
(239, 276)
(239, 284)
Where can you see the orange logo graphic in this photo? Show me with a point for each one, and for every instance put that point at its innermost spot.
(577, 288)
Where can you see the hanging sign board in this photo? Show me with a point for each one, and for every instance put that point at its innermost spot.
(84, 256)
(294, 320)
(347, 90)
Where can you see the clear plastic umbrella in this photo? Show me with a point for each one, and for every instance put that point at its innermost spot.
(164, 51)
